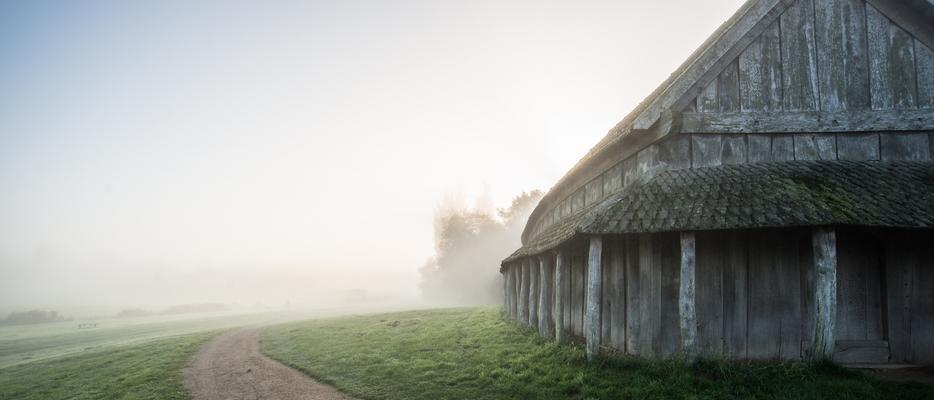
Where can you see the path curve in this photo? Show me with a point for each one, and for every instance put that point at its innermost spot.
(231, 367)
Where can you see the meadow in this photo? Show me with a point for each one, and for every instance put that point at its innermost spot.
(475, 354)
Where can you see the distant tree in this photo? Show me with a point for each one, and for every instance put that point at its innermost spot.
(33, 317)
(469, 245)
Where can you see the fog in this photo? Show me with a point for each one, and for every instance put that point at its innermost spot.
(294, 154)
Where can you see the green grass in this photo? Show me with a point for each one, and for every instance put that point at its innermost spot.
(475, 354)
(150, 370)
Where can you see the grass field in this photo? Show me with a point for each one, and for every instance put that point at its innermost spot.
(148, 370)
(139, 358)
(475, 354)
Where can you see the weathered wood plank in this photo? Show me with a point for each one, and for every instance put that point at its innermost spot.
(858, 146)
(783, 148)
(922, 322)
(735, 250)
(710, 293)
(534, 282)
(901, 267)
(613, 179)
(562, 265)
(799, 57)
(650, 287)
(774, 306)
(706, 151)
(630, 171)
(594, 190)
(546, 297)
(924, 61)
(606, 297)
(523, 292)
(913, 15)
(843, 70)
(906, 147)
(760, 73)
(759, 148)
(892, 76)
(808, 121)
(674, 152)
(594, 290)
(707, 99)
(728, 88)
(670, 334)
(733, 149)
(633, 299)
(815, 147)
(825, 292)
(687, 295)
(617, 295)
(861, 351)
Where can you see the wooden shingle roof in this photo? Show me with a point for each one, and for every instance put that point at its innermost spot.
(761, 195)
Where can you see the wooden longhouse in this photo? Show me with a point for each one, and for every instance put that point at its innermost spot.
(773, 199)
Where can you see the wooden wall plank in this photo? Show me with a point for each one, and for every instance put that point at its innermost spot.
(807, 261)
(594, 190)
(783, 148)
(759, 148)
(728, 88)
(922, 320)
(524, 292)
(808, 121)
(534, 282)
(858, 146)
(592, 313)
(799, 57)
(687, 295)
(706, 151)
(674, 152)
(815, 147)
(633, 296)
(606, 296)
(670, 271)
(709, 295)
(843, 70)
(760, 72)
(924, 62)
(892, 77)
(735, 251)
(775, 293)
(707, 99)
(617, 295)
(546, 326)
(561, 295)
(733, 149)
(906, 147)
(901, 266)
(613, 179)
(630, 173)
(650, 288)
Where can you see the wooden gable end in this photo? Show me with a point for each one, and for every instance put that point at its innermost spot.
(821, 66)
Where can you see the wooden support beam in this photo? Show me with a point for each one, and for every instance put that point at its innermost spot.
(686, 296)
(561, 282)
(594, 290)
(546, 296)
(534, 269)
(523, 300)
(808, 121)
(825, 292)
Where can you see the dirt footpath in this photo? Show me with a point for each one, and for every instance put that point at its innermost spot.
(231, 367)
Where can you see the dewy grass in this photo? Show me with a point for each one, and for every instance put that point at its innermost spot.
(475, 354)
(150, 370)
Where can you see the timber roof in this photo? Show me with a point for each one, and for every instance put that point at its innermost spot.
(760, 195)
(917, 16)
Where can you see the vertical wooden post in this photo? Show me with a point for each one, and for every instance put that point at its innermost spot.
(523, 300)
(686, 296)
(594, 289)
(561, 277)
(825, 292)
(516, 283)
(546, 296)
(534, 269)
(505, 274)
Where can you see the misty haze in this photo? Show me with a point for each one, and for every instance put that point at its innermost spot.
(414, 199)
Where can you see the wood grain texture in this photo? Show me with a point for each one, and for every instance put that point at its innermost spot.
(523, 292)
(562, 266)
(687, 295)
(799, 57)
(759, 148)
(594, 290)
(710, 293)
(706, 151)
(650, 288)
(613, 179)
(815, 147)
(774, 296)
(892, 76)
(594, 190)
(760, 72)
(546, 297)
(905, 147)
(534, 282)
(924, 62)
(858, 146)
(808, 121)
(735, 250)
(728, 97)
(707, 99)
(843, 69)
(783, 148)
(825, 292)
(733, 149)
(633, 295)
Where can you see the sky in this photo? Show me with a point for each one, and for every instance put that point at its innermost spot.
(163, 152)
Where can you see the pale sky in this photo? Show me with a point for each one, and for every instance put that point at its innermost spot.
(166, 151)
